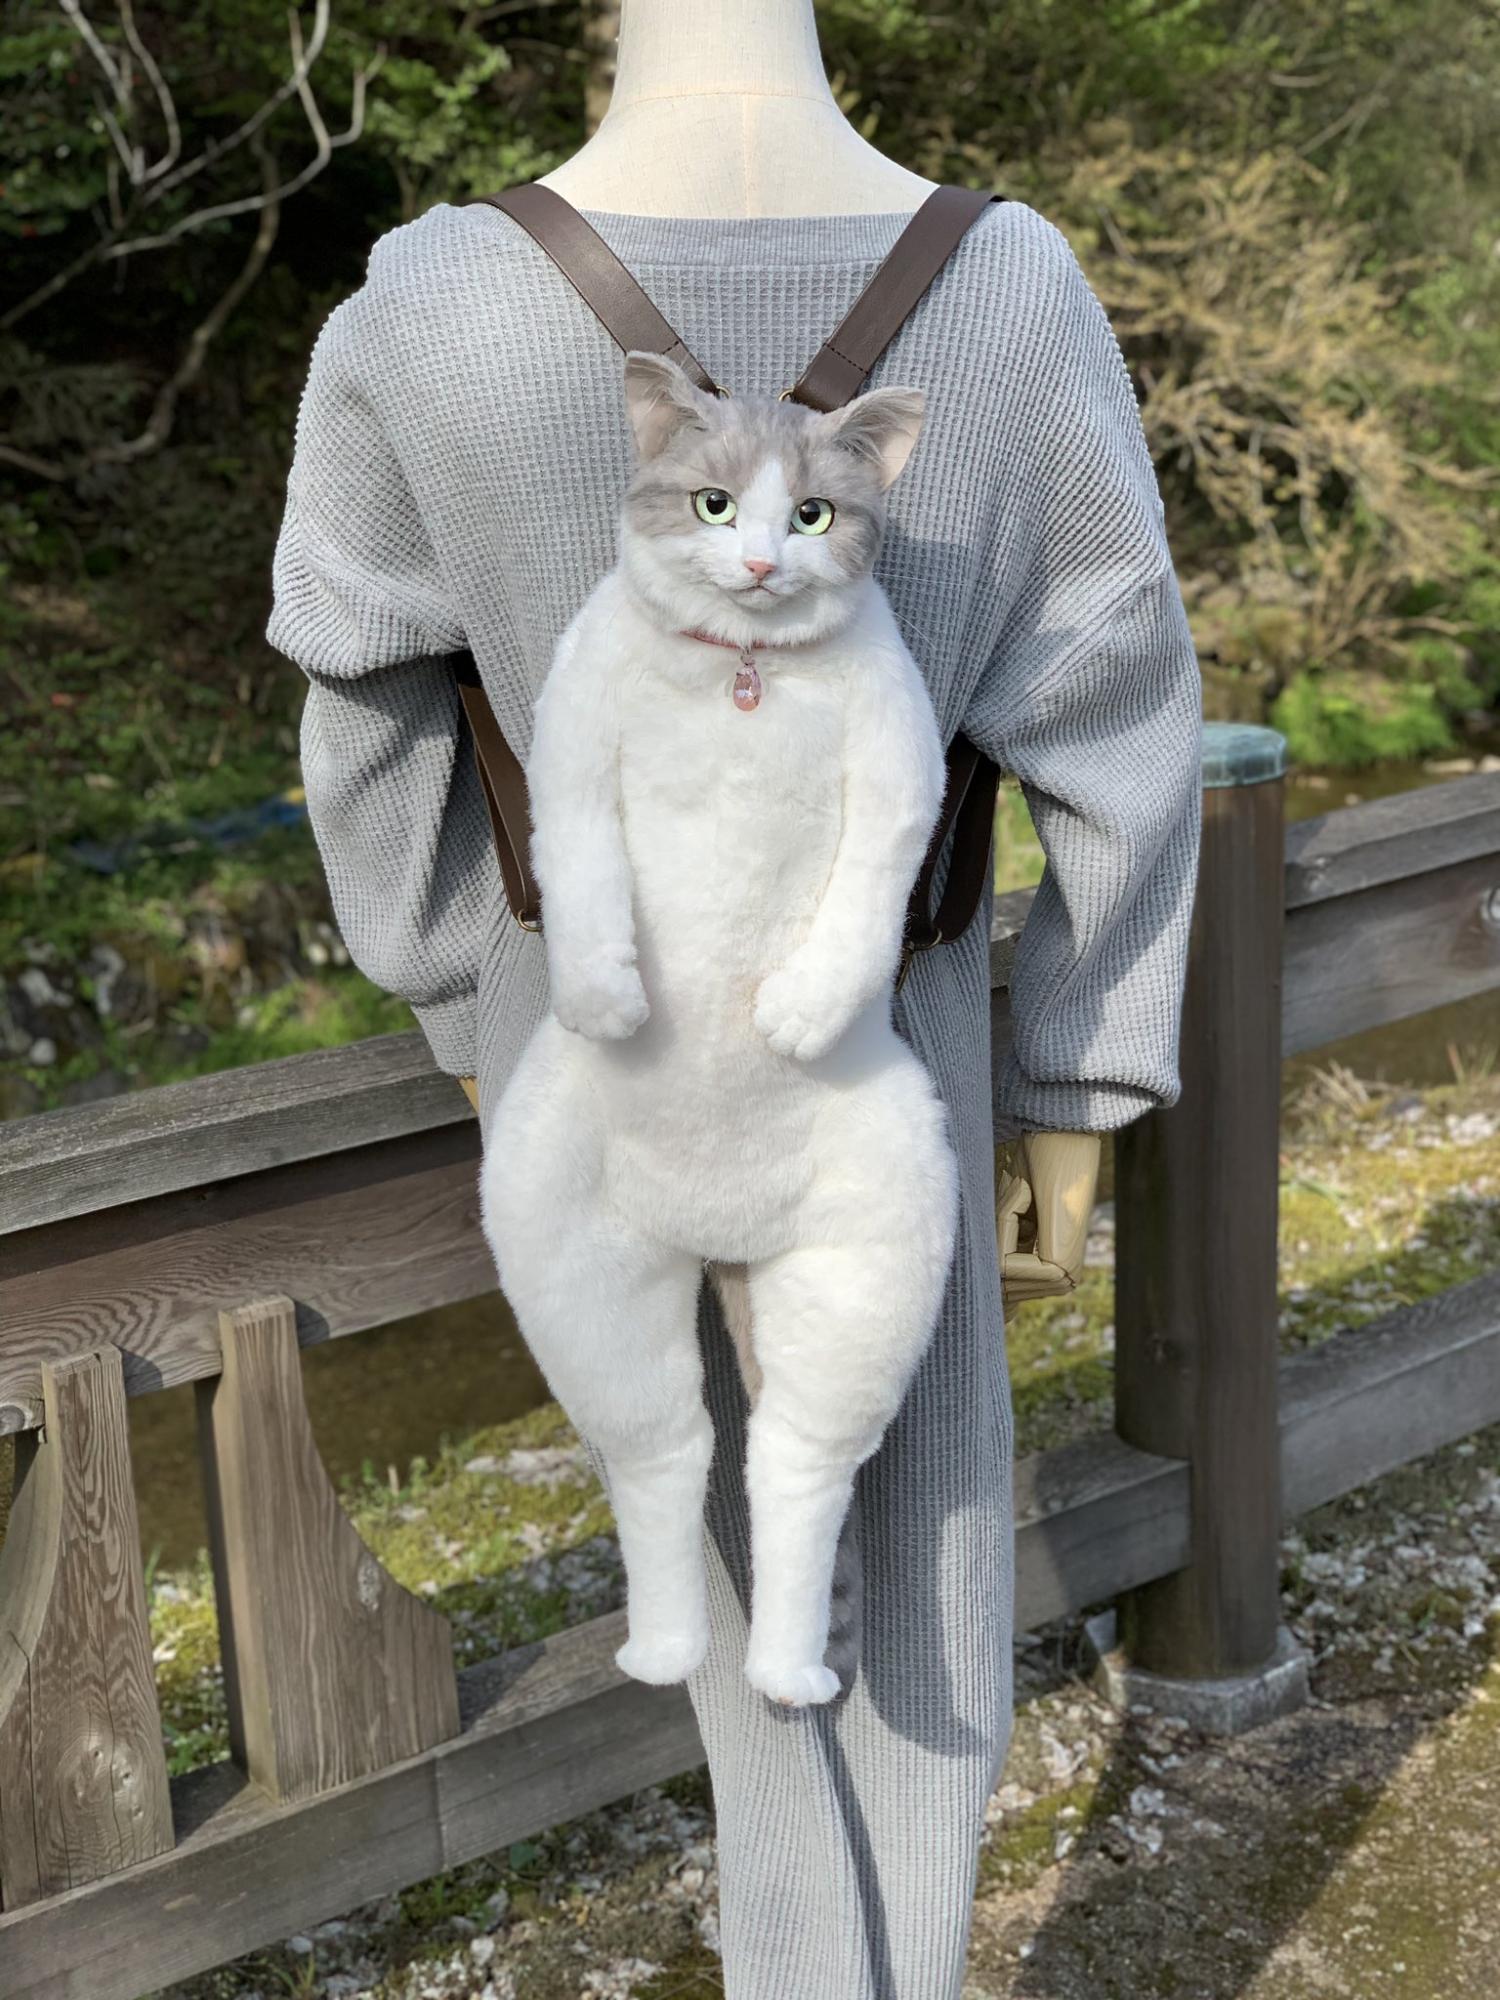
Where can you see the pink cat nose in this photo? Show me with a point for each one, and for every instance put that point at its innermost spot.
(759, 567)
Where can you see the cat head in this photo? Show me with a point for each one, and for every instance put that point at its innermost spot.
(752, 518)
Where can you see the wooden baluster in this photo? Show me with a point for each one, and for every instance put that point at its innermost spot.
(83, 1776)
(332, 1670)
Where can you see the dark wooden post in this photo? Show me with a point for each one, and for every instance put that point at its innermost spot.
(1196, 1311)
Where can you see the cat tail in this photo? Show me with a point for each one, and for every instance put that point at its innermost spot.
(846, 1599)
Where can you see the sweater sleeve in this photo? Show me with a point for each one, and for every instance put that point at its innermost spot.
(394, 800)
(1091, 697)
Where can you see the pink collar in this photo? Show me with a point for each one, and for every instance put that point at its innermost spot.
(734, 645)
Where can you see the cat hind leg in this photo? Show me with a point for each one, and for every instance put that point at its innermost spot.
(611, 1318)
(838, 1330)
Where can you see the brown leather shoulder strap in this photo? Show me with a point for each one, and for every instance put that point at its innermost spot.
(503, 778)
(836, 373)
(968, 814)
(838, 370)
(596, 274)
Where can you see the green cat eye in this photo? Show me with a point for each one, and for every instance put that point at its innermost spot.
(812, 517)
(714, 505)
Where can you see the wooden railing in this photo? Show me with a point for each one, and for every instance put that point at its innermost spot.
(205, 1231)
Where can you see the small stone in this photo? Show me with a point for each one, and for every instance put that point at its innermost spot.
(496, 1907)
(43, 1052)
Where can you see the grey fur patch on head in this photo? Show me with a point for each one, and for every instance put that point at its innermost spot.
(689, 439)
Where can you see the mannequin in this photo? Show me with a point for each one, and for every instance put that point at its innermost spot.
(722, 108)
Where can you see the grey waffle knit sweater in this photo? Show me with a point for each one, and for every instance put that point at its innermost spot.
(460, 456)
(461, 450)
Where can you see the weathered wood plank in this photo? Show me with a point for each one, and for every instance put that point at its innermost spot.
(240, 1121)
(83, 1778)
(1378, 1396)
(332, 1670)
(1384, 954)
(357, 1240)
(1092, 1519)
(1388, 840)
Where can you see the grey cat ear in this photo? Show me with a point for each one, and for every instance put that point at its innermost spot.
(659, 400)
(881, 425)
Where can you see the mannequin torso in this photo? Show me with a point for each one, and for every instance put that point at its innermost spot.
(722, 108)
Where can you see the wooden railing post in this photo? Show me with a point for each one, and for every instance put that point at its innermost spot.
(331, 1669)
(1196, 1299)
(83, 1774)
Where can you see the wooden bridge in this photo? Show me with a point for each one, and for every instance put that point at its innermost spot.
(204, 1232)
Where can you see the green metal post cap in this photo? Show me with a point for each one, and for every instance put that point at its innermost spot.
(1241, 753)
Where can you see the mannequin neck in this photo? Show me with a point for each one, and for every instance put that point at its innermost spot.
(722, 108)
(722, 48)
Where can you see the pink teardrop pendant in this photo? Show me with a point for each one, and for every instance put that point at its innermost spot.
(747, 686)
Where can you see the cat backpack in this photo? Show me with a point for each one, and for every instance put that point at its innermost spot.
(836, 373)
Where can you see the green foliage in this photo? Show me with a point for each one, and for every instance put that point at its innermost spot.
(1289, 214)
(1343, 720)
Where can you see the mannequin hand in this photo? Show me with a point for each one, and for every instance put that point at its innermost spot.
(1042, 1210)
(803, 1007)
(470, 1090)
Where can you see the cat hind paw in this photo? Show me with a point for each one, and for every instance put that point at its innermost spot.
(662, 1658)
(793, 1687)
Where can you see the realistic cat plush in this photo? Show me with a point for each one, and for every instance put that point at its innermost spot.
(734, 776)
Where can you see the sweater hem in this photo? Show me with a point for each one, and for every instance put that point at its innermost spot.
(1079, 1105)
(450, 1028)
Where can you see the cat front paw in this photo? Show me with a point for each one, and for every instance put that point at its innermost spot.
(604, 1001)
(801, 1011)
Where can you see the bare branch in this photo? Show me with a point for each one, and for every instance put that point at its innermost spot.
(325, 147)
(112, 183)
(148, 186)
(158, 426)
(24, 462)
(58, 282)
(217, 148)
(86, 32)
(164, 100)
(121, 144)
